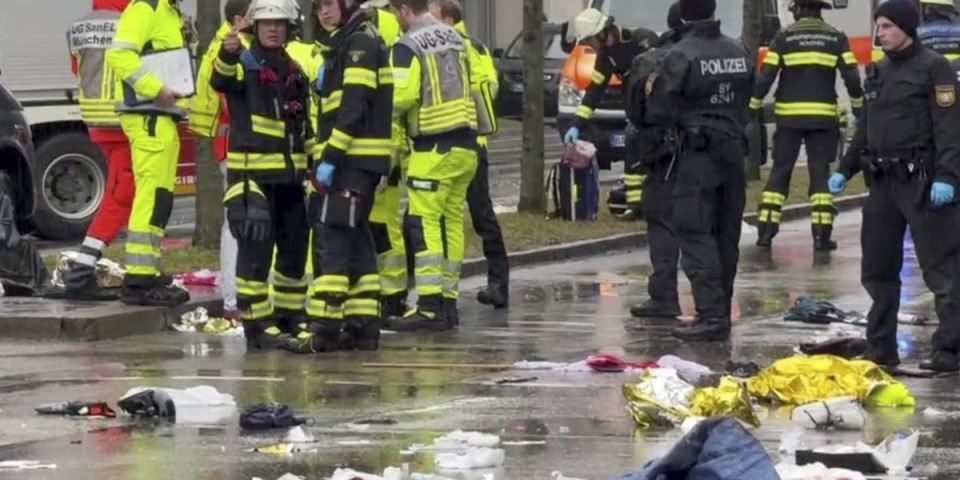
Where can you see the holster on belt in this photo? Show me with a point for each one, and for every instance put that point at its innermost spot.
(903, 167)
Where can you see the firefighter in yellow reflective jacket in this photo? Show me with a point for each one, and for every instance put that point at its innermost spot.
(385, 215)
(433, 96)
(356, 94)
(807, 56)
(149, 114)
(483, 79)
(268, 96)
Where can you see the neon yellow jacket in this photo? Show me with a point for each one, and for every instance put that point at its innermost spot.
(483, 79)
(145, 25)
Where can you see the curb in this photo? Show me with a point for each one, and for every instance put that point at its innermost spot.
(629, 241)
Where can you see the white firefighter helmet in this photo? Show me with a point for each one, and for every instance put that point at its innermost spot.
(945, 3)
(274, 10)
(587, 24)
(375, 4)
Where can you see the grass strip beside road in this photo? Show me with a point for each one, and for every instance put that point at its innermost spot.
(521, 231)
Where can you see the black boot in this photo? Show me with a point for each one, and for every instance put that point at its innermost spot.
(765, 233)
(821, 238)
(264, 334)
(656, 309)
(394, 305)
(81, 284)
(704, 330)
(156, 296)
(941, 361)
(495, 295)
(882, 358)
(360, 333)
(418, 319)
(326, 335)
(450, 312)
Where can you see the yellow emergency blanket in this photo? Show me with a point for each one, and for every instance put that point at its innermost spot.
(803, 379)
(663, 399)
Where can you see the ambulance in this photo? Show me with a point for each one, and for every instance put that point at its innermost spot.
(608, 122)
(70, 171)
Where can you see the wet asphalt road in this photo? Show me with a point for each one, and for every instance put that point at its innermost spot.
(561, 312)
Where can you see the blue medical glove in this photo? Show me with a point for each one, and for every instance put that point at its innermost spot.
(941, 193)
(325, 174)
(573, 134)
(837, 182)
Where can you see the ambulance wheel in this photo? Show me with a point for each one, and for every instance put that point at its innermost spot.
(70, 178)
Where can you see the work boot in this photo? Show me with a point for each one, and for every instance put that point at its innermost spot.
(265, 335)
(450, 312)
(156, 296)
(417, 319)
(630, 215)
(881, 358)
(495, 295)
(655, 309)
(360, 333)
(821, 238)
(393, 305)
(765, 233)
(704, 330)
(326, 335)
(941, 361)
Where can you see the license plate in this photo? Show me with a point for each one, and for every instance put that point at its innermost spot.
(618, 140)
(516, 87)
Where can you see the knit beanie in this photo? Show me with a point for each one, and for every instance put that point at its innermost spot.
(694, 10)
(903, 14)
(673, 16)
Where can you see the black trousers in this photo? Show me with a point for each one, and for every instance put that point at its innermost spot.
(290, 234)
(486, 225)
(822, 147)
(657, 205)
(344, 257)
(892, 206)
(709, 198)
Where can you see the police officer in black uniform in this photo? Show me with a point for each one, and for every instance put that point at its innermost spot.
(909, 150)
(807, 56)
(702, 87)
(653, 151)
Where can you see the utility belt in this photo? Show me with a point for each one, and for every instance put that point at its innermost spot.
(444, 142)
(904, 165)
(702, 138)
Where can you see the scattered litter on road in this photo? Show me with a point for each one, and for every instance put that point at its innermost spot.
(196, 405)
(808, 310)
(199, 321)
(265, 416)
(741, 369)
(815, 471)
(519, 443)
(940, 413)
(376, 421)
(472, 458)
(601, 362)
(26, 465)
(282, 449)
(350, 474)
(109, 274)
(512, 380)
(290, 476)
(77, 409)
(199, 278)
(559, 476)
(459, 438)
(842, 413)
(719, 448)
(298, 435)
(892, 456)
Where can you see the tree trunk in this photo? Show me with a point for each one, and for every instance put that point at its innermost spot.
(531, 169)
(752, 31)
(209, 199)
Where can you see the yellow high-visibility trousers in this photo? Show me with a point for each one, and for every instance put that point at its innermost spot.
(155, 151)
(437, 185)
(388, 237)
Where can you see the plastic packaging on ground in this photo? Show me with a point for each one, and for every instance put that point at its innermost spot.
(470, 459)
(26, 465)
(661, 398)
(559, 476)
(202, 405)
(109, 274)
(458, 440)
(298, 435)
(815, 471)
(843, 413)
(199, 321)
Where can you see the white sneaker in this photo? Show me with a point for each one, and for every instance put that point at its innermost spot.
(842, 413)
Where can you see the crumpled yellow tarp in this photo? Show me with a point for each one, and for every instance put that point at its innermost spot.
(803, 379)
(663, 399)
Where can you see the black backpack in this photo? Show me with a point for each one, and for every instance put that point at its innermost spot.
(265, 416)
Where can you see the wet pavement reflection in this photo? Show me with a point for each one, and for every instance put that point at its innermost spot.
(572, 422)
